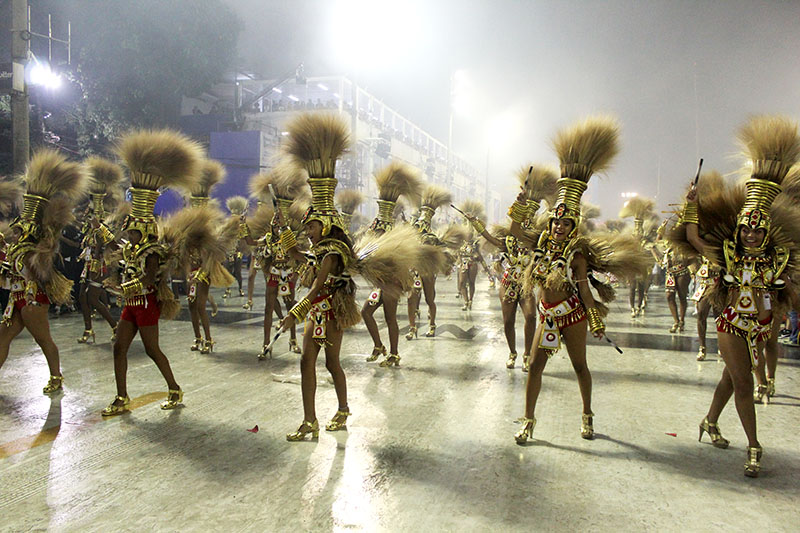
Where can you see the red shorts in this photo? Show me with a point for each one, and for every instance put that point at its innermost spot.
(41, 298)
(143, 315)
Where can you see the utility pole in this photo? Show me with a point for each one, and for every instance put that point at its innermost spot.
(20, 124)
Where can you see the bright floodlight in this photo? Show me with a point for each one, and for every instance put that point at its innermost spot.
(502, 128)
(42, 75)
(359, 30)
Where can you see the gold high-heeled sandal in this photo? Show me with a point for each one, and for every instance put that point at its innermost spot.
(338, 422)
(377, 351)
(84, 339)
(266, 353)
(208, 346)
(526, 362)
(248, 305)
(770, 387)
(674, 328)
(198, 344)
(633, 312)
(54, 384)
(305, 428)
(293, 346)
(241, 293)
(469, 305)
(760, 396)
(391, 359)
(113, 409)
(681, 326)
(587, 426)
(512, 359)
(713, 432)
(114, 333)
(753, 465)
(227, 293)
(412, 333)
(174, 399)
(431, 331)
(701, 354)
(526, 431)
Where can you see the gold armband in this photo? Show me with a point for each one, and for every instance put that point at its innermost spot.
(690, 214)
(132, 287)
(106, 234)
(479, 226)
(518, 212)
(595, 322)
(244, 230)
(301, 309)
(287, 240)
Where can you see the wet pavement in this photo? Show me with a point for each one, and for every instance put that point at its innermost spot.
(429, 446)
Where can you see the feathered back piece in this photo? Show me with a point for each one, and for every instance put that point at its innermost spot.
(105, 178)
(315, 142)
(237, 205)
(212, 173)
(639, 208)
(583, 149)
(10, 195)
(454, 235)
(260, 221)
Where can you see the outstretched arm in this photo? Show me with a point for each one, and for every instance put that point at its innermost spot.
(690, 218)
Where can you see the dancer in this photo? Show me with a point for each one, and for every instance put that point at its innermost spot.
(538, 183)
(564, 263)
(754, 239)
(676, 283)
(393, 181)
(641, 209)
(237, 205)
(203, 241)
(53, 186)
(469, 256)
(315, 141)
(105, 178)
(279, 270)
(433, 197)
(155, 159)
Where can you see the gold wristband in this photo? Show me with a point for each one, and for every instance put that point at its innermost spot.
(533, 206)
(301, 309)
(518, 212)
(287, 240)
(595, 322)
(690, 213)
(106, 234)
(132, 287)
(479, 226)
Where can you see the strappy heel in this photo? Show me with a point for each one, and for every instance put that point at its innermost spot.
(377, 351)
(713, 432)
(512, 360)
(305, 428)
(412, 333)
(113, 409)
(54, 384)
(84, 339)
(198, 344)
(526, 431)
(431, 331)
(248, 305)
(293, 346)
(266, 353)
(338, 422)
(753, 465)
(174, 399)
(761, 396)
(391, 359)
(587, 426)
(208, 346)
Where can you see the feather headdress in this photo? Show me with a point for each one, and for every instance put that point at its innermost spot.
(10, 195)
(394, 180)
(237, 205)
(105, 178)
(212, 173)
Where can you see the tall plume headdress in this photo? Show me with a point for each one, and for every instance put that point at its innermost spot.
(156, 159)
(212, 173)
(104, 177)
(583, 150)
(433, 197)
(237, 205)
(394, 180)
(348, 201)
(640, 208)
(772, 145)
(315, 142)
(540, 183)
